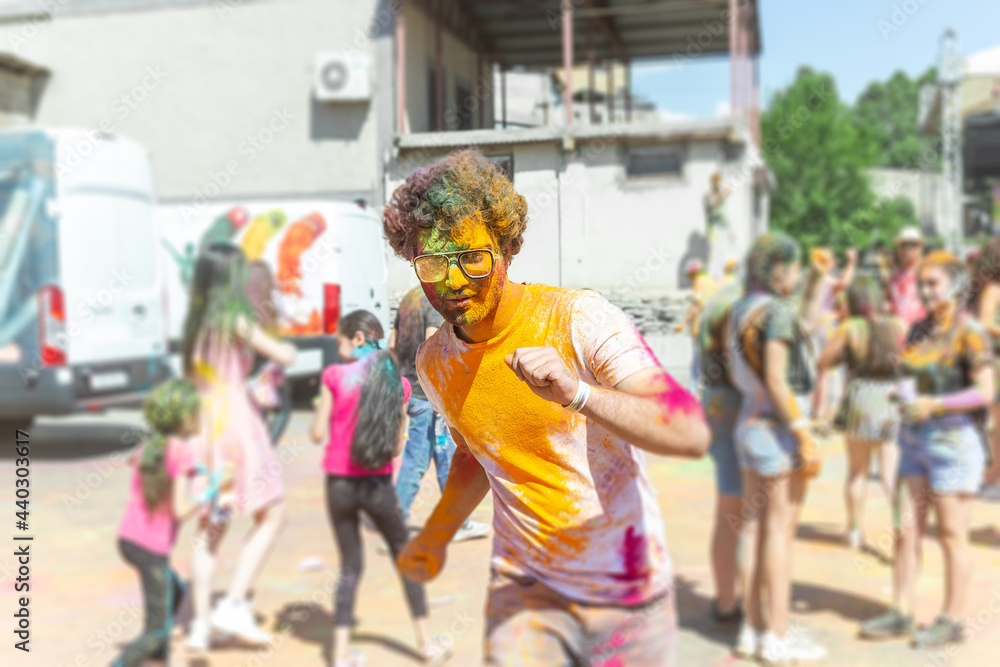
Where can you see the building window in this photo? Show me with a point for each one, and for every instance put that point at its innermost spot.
(506, 163)
(432, 98)
(646, 162)
(461, 119)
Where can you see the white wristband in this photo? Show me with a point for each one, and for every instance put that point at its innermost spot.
(798, 424)
(582, 394)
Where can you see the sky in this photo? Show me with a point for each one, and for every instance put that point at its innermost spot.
(855, 40)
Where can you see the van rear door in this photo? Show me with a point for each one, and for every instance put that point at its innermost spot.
(110, 277)
(363, 270)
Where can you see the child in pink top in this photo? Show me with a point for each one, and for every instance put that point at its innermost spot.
(158, 501)
(361, 416)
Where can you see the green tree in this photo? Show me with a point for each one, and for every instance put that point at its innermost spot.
(886, 113)
(818, 157)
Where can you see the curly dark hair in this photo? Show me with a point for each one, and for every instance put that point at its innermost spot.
(461, 186)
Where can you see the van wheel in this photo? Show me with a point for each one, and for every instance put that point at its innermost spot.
(8, 424)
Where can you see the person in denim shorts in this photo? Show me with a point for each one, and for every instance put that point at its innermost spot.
(721, 402)
(767, 346)
(948, 361)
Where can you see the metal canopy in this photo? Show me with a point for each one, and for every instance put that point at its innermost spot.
(526, 33)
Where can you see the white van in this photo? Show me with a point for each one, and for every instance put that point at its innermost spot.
(327, 257)
(82, 322)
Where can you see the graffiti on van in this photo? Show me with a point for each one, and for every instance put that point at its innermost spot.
(300, 315)
(300, 237)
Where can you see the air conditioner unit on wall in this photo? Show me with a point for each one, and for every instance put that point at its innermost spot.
(343, 78)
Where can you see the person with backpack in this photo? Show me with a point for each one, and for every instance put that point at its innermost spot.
(768, 346)
(429, 438)
(361, 417)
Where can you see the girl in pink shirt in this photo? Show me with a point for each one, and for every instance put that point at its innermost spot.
(158, 501)
(361, 416)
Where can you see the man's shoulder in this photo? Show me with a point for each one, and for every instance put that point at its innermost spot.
(433, 345)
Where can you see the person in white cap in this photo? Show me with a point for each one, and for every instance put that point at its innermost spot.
(904, 298)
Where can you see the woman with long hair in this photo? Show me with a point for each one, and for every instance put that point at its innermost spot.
(984, 303)
(361, 418)
(220, 339)
(777, 454)
(948, 381)
(869, 343)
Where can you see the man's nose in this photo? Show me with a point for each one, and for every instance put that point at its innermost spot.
(456, 279)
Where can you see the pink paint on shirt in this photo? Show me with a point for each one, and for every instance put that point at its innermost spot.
(345, 382)
(904, 296)
(155, 530)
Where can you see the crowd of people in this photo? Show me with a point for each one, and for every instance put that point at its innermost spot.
(549, 398)
(917, 336)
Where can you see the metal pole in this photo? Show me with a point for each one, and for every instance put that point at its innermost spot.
(733, 56)
(567, 44)
(611, 91)
(628, 91)
(438, 78)
(401, 73)
(475, 87)
(591, 58)
(503, 97)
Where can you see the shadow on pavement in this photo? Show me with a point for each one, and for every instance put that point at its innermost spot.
(695, 614)
(70, 440)
(313, 624)
(825, 532)
(808, 598)
(987, 536)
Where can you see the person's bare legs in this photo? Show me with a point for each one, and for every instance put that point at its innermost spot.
(954, 512)
(778, 511)
(754, 529)
(913, 523)
(856, 485)
(260, 540)
(207, 538)
(888, 473)
(729, 576)
(993, 472)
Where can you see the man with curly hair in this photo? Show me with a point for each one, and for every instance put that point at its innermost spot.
(551, 395)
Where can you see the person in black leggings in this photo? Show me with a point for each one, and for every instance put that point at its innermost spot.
(346, 497)
(361, 416)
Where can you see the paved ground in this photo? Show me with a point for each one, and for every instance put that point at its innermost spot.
(84, 599)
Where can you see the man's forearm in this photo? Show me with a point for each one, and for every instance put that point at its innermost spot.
(670, 424)
(466, 487)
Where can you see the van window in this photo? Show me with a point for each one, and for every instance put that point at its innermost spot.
(28, 259)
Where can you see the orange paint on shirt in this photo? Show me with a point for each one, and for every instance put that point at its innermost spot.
(573, 505)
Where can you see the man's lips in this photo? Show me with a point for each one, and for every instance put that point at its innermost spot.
(459, 300)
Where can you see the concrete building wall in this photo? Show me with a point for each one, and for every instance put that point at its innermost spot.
(460, 67)
(199, 84)
(590, 225)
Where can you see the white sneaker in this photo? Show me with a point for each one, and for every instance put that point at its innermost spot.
(796, 647)
(235, 618)
(747, 641)
(804, 647)
(471, 530)
(199, 635)
(853, 539)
